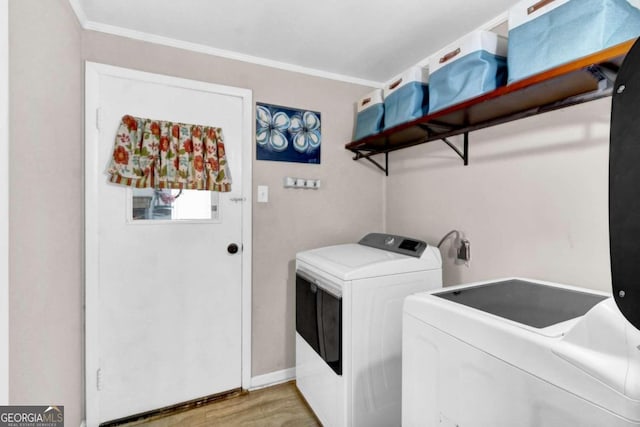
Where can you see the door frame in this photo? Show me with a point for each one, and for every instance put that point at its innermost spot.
(93, 72)
(4, 202)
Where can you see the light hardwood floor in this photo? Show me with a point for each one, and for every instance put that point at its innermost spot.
(280, 405)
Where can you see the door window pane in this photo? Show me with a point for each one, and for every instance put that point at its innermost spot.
(173, 205)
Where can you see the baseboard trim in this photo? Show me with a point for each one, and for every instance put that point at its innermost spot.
(272, 378)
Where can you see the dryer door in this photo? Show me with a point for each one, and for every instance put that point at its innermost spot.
(319, 319)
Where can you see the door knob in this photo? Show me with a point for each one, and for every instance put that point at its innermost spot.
(232, 248)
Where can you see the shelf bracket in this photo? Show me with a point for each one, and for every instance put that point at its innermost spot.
(359, 155)
(464, 154)
(604, 74)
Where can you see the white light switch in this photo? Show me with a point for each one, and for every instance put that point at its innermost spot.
(263, 193)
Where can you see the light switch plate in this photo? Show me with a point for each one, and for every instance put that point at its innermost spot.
(263, 193)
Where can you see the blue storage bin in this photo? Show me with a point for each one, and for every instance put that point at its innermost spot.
(370, 113)
(545, 34)
(474, 65)
(406, 98)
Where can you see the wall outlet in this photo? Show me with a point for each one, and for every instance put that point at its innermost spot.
(464, 251)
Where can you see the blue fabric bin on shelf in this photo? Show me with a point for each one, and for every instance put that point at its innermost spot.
(546, 34)
(474, 65)
(370, 114)
(406, 97)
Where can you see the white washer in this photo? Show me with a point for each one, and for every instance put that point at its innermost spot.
(349, 325)
(518, 352)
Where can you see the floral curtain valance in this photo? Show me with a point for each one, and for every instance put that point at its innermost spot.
(162, 154)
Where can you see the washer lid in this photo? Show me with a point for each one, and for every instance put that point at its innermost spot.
(354, 261)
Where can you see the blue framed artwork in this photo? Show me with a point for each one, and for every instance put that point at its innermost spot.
(286, 134)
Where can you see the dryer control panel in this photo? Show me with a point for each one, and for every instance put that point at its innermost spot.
(398, 244)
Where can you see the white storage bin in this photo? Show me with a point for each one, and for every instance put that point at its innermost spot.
(468, 68)
(370, 113)
(544, 34)
(406, 97)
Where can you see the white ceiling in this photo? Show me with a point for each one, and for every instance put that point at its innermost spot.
(365, 41)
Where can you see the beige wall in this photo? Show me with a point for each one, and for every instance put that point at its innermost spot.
(45, 207)
(47, 54)
(533, 200)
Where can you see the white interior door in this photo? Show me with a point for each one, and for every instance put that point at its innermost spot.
(169, 294)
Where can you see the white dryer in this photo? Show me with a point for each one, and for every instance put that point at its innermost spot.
(349, 325)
